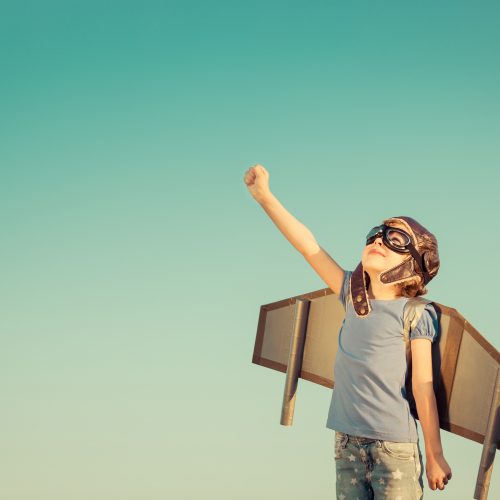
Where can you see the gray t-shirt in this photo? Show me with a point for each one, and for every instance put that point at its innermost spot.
(369, 397)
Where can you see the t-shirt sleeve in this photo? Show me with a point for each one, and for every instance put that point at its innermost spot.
(427, 326)
(344, 291)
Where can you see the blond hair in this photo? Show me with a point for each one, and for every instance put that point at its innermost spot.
(413, 287)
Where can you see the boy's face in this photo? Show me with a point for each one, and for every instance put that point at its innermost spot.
(376, 257)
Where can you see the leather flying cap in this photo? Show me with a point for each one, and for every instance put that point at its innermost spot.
(424, 242)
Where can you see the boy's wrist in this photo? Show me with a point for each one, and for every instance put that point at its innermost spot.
(433, 455)
(264, 198)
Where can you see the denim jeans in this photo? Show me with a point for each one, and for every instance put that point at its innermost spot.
(369, 468)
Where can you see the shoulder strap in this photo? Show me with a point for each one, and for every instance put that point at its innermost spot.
(413, 311)
(349, 298)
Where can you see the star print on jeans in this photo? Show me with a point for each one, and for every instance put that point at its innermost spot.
(352, 458)
(397, 474)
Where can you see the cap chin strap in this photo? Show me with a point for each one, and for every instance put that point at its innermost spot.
(406, 269)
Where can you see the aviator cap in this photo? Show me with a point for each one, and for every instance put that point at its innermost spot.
(422, 261)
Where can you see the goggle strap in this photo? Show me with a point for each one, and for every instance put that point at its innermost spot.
(420, 262)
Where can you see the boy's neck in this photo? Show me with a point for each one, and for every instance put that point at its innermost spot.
(383, 292)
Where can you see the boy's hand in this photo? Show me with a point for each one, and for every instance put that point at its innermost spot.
(438, 472)
(257, 181)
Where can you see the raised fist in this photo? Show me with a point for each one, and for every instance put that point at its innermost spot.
(257, 181)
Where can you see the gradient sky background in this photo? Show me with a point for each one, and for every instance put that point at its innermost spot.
(135, 260)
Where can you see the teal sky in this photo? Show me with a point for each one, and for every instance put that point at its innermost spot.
(135, 260)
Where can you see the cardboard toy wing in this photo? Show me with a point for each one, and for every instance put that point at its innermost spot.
(467, 364)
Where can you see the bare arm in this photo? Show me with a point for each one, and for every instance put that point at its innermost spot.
(293, 230)
(437, 469)
(257, 181)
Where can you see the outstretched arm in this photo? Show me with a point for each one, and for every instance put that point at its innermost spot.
(257, 181)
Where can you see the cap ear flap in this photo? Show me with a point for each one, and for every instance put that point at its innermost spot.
(359, 296)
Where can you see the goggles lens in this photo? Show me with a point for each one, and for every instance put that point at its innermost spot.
(394, 238)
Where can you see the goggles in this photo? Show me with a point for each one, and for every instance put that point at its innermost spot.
(393, 238)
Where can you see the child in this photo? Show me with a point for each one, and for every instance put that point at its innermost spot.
(377, 452)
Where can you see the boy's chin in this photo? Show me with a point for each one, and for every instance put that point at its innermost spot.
(374, 269)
